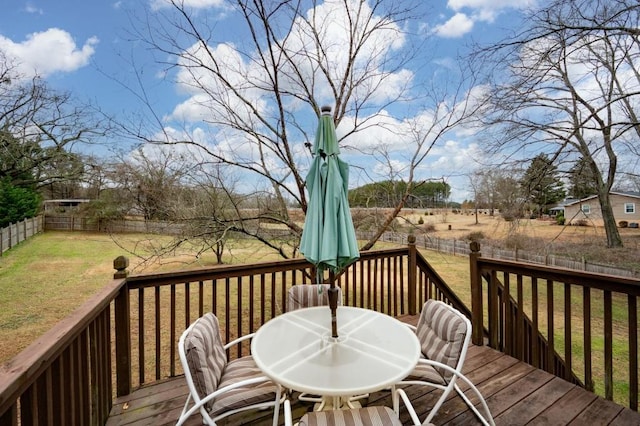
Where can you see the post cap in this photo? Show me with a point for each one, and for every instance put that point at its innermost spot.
(326, 109)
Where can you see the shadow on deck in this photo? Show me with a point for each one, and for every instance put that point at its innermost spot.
(517, 394)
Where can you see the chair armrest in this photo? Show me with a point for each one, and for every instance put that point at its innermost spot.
(239, 340)
(217, 393)
(488, 421)
(412, 327)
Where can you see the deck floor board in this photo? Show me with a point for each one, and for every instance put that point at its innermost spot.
(516, 393)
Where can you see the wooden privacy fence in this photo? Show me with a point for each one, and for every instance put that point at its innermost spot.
(580, 326)
(16, 233)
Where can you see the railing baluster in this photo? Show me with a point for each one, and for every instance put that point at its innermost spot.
(535, 344)
(158, 332)
(632, 301)
(227, 309)
(172, 330)
(549, 361)
(238, 314)
(252, 298)
(507, 316)
(262, 298)
(568, 314)
(608, 346)
(141, 334)
(586, 324)
(187, 304)
(520, 319)
(200, 298)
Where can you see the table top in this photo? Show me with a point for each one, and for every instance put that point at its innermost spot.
(372, 351)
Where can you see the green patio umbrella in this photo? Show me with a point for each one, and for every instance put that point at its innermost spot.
(328, 237)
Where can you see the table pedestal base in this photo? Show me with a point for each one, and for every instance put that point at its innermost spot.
(336, 403)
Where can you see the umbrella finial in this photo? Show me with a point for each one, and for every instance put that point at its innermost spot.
(326, 109)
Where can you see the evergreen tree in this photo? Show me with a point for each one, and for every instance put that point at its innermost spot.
(582, 180)
(541, 184)
(16, 203)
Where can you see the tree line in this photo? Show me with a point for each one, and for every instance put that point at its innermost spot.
(554, 108)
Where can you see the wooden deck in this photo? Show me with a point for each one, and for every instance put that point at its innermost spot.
(516, 393)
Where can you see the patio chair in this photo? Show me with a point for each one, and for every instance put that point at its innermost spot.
(367, 416)
(307, 295)
(444, 335)
(219, 387)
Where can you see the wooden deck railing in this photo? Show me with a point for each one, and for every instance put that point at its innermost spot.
(65, 376)
(126, 336)
(580, 326)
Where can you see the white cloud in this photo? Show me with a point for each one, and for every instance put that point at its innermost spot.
(31, 8)
(457, 26)
(196, 4)
(468, 12)
(48, 52)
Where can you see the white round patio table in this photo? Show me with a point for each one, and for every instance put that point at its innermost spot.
(372, 351)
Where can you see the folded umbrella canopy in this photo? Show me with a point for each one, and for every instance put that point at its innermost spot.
(328, 237)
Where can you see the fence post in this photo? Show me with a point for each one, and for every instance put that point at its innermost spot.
(412, 274)
(477, 309)
(122, 330)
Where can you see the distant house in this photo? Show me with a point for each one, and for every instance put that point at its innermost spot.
(625, 205)
(63, 206)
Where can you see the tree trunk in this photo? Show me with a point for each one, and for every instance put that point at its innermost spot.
(610, 226)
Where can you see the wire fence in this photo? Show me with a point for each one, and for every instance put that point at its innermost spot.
(443, 245)
(461, 248)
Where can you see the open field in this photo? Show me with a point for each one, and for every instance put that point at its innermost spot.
(543, 236)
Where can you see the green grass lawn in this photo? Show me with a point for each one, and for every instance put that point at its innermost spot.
(45, 278)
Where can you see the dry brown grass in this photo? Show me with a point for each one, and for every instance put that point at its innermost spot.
(543, 236)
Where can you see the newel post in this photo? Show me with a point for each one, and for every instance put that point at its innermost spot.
(413, 272)
(476, 294)
(122, 330)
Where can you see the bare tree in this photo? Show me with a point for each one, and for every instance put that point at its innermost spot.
(571, 90)
(43, 128)
(257, 100)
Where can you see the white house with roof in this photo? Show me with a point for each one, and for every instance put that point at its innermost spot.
(625, 205)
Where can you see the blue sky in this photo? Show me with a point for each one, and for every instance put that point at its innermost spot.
(85, 47)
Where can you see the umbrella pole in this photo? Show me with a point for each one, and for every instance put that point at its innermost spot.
(333, 303)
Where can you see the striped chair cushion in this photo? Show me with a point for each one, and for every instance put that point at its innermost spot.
(370, 416)
(306, 295)
(235, 371)
(441, 331)
(205, 354)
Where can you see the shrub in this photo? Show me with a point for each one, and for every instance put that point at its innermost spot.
(515, 241)
(429, 227)
(623, 224)
(580, 222)
(560, 220)
(475, 236)
(420, 221)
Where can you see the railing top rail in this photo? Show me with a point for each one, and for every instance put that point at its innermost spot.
(571, 276)
(20, 372)
(225, 271)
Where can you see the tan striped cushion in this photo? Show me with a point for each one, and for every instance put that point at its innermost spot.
(235, 371)
(426, 373)
(441, 331)
(205, 354)
(369, 416)
(307, 295)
